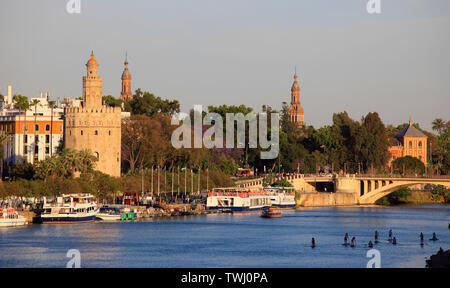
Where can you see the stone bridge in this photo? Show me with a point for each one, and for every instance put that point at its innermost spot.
(366, 189)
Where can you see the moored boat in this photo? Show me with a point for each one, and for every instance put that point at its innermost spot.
(282, 197)
(237, 200)
(271, 212)
(10, 218)
(107, 213)
(69, 209)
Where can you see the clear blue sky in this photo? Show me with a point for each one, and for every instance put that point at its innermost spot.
(240, 52)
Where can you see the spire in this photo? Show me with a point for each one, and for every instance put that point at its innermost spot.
(126, 58)
(295, 86)
(410, 120)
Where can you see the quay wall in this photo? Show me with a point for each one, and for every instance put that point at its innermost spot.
(326, 199)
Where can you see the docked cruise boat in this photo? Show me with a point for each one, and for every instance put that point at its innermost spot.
(10, 218)
(69, 209)
(282, 197)
(237, 200)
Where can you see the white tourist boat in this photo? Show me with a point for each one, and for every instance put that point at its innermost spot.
(282, 197)
(237, 200)
(70, 209)
(10, 218)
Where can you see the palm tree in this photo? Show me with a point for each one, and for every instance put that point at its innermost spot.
(51, 105)
(4, 139)
(438, 125)
(72, 160)
(21, 103)
(87, 160)
(35, 103)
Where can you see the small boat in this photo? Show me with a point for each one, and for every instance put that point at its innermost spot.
(10, 218)
(271, 212)
(69, 209)
(107, 213)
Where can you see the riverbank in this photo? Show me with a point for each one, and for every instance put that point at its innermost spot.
(413, 198)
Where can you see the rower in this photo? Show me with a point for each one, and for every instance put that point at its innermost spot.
(370, 244)
(394, 241)
(434, 237)
(346, 239)
(313, 243)
(390, 235)
(353, 243)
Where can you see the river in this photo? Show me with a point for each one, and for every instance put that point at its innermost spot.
(236, 240)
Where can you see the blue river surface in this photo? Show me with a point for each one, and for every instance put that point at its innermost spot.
(236, 240)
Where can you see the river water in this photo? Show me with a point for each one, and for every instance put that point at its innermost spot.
(236, 240)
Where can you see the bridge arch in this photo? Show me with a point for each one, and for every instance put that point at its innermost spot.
(393, 186)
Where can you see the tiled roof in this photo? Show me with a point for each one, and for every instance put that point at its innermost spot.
(410, 131)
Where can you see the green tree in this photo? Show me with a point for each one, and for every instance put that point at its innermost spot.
(111, 101)
(408, 165)
(145, 103)
(376, 142)
(438, 125)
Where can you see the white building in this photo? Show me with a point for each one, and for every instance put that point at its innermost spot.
(34, 134)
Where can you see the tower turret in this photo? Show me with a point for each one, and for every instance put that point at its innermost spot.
(295, 110)
(126, 94)
(92, 85)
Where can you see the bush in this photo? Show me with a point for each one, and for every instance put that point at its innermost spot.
(281, 183)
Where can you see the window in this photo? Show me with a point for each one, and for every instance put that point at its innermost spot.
(47, 127)
(96, 132)
(47, 150)
(26, 139)
(36, 149)
(410, 145)
(36, 127)
(420, 144)
(47, 139)
(109, 132)
(25, 150)
(81, 132)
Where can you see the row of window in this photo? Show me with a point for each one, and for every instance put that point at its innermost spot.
(410, 145)
(47, 127)
(95, 132)
(36, 149)
(47, 139)
(36, 127)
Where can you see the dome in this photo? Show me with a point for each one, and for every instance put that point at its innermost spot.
(92, 61)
